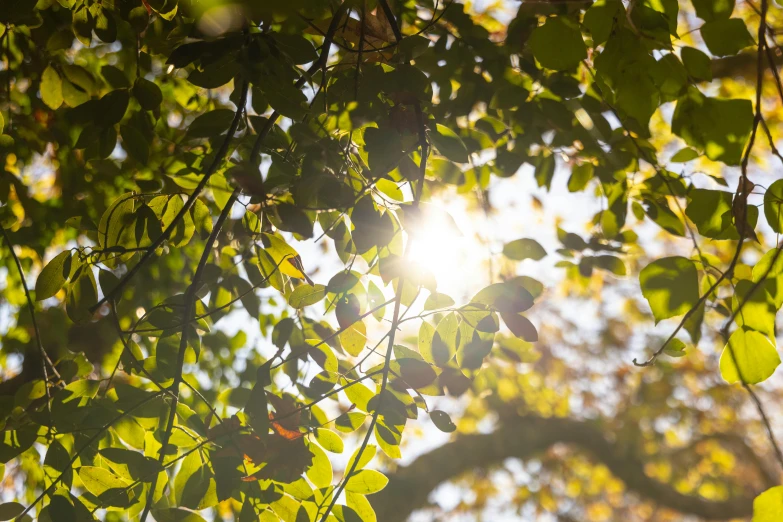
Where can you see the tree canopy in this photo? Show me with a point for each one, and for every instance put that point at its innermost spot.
(227, 228)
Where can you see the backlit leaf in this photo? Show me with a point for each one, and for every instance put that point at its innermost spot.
(53, 276)
(524, 249)
(749, 357)
(51, 88)
(558, 45)
(671, 286)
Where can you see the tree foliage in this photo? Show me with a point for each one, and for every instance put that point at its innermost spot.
(177, 170)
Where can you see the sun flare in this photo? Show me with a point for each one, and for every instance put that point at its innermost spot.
(447, 245)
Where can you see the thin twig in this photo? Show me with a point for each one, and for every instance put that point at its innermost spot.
(767, 424)
(31, 306)
(219, 157)
(190, 298)
(318, 64)
(424, 145)
(76, 455)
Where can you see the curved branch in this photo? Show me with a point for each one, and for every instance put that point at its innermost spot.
(523, 438)
(216, 162)
(31, 305)
(190, 298)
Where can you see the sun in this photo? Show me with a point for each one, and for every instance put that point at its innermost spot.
(446, 242)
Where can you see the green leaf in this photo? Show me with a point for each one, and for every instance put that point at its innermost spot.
(83, 25)
(148, 94)
(112, 108)
(256, 408)
(726, 37)
(139, 18)
(176, 515)
(764, 269)
(713, 9)
(81, 294)
(296, 47)
(600, 19)
(446, 171)
(134, 142)
(167, 208)
(626, 66)
(718, 127)
(366, 482)
(293, 219)
(684, 155)
(697, 63)
(388, 441)
(354, 338)
(116, 225)
(442, 421)
(710, 211)
(510, 297)
(365, 458)
(749, 357)
(130, 465)
(414, 371)
(675, 348)
(10, 510)
(384, 149)
(329, 440)
(349, 422)
(580, 177)
(192, 483)
(115, 77)
(53, 276)
(755, 311)
(671, 286)
(99, 480)
(212, 123)
(320, 472)
(286, 99)
(437, 300)
(444, 341)
(7, 218)
(773, 205)
(359, 502)
(520, 326)
(426, 336)
(662, 215)
(448, 144)
(558, 45)
(105, 25)
(545, 170)
(29, 392)
(51, 88)
(524, 249)
(390, 189)
(342, 282)
(306, 295)
(613, 264)
(201, 217)
(768, 506)
(375, 299)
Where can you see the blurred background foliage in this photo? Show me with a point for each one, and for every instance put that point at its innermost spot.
(520, 260)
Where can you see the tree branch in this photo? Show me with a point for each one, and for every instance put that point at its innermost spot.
(524, 438)
(219, 157)
(31, 305)
(318, 64)
(190, 298)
